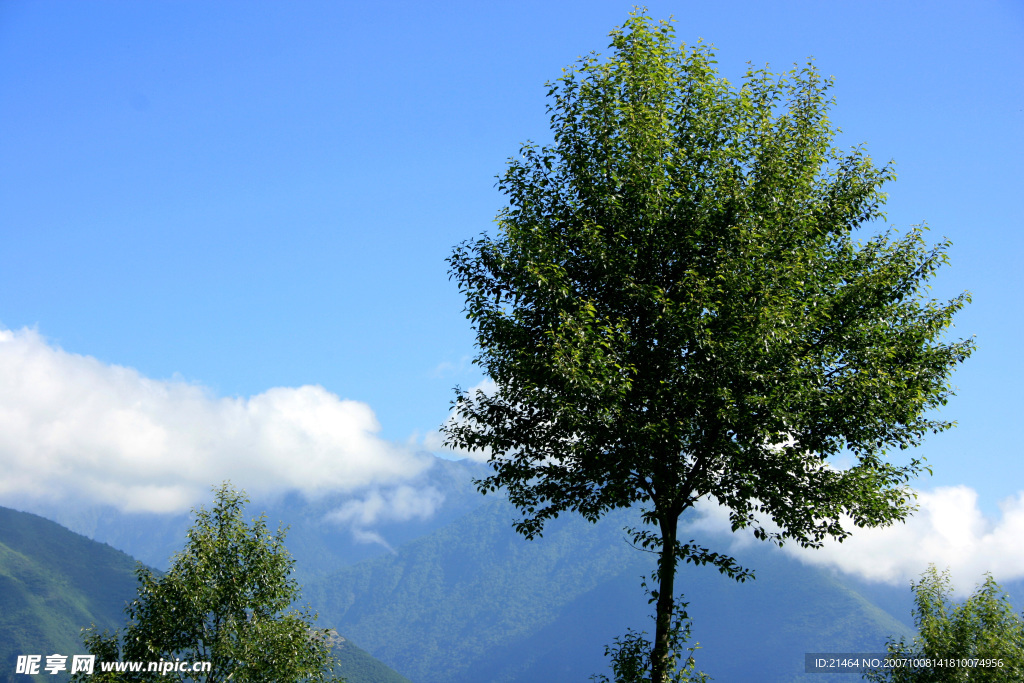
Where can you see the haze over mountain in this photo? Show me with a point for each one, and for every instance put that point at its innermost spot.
(324, 532)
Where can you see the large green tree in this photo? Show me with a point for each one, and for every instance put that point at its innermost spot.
(223, 601)
(675, 309)
(982, 636)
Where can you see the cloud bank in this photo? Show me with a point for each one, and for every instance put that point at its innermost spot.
(948, 530)
(72, 426)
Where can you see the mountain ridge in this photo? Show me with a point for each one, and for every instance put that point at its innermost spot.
(475, 602)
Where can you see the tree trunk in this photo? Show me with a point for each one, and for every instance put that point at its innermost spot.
(666, 603)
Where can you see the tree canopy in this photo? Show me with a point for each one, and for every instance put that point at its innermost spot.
(981, 639)
(223, 601)
(674, 309)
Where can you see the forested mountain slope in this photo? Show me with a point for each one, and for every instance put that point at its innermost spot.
(54, 582)
(474, 602)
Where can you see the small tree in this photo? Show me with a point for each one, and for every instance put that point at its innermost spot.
(631, 655)
(983, 629)
(223, 601)
(675, 310)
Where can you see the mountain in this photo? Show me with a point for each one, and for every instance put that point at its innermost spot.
(473, 603)
(458, 596)
(54, 582)
(357, 666)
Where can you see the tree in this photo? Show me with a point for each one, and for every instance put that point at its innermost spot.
(223, 601)
(984, 627)
(675, 310)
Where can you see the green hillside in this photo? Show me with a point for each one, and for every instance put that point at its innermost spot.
(54, 582)
(474, 602)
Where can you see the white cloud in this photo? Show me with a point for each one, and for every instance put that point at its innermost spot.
(72, 426)
(948, 530)
(399, 504)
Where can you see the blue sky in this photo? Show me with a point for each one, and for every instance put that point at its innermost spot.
(232, 199)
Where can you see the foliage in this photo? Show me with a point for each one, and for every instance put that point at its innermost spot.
(223, 602)
(984, 627)
(675, 310)
(631, 655)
